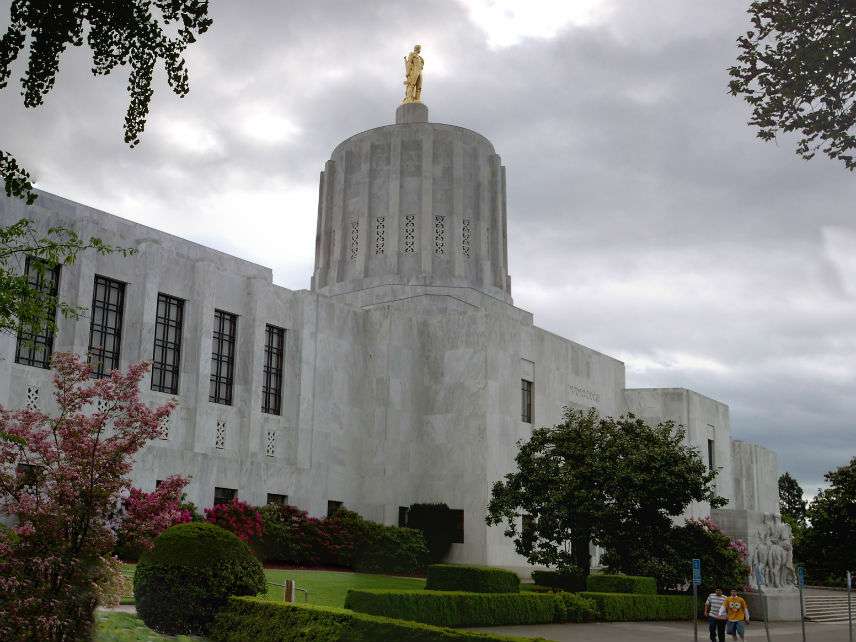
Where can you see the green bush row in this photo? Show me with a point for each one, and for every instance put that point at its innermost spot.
(573, 582)
(473, 579)
(247, 618)
(450, 608)
(621, 584)
(618, 607)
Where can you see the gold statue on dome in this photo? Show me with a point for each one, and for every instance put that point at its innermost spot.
(413, 64)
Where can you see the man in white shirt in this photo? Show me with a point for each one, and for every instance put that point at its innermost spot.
(715, 621)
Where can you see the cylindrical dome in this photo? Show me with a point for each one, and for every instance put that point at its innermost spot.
(415, 203)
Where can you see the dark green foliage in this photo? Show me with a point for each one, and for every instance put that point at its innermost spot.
(189, 574)
(390, 550)
(474, 579)
(669, 558)
(562, 580)
(791, 502)
(621, 607)
(264, 621)
(578, 608)
(826, 547)
(797, 70)
(615, 482)
(621, 584)
(448, 608)
(437, 523)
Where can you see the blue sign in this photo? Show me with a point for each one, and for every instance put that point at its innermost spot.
(697, 572)
(801, 575)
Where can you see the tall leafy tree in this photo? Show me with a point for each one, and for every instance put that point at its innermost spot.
(133, 32)
(614, 482)
(137, 33)
(826, 547)
(796, 68)
(791, 502)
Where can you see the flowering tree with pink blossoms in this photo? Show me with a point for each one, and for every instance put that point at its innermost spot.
(61, 478)
(239, 517)
(147, 515)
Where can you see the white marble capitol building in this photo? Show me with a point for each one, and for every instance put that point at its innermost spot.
(404, 374)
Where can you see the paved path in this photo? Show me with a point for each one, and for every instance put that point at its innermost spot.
(672, 632)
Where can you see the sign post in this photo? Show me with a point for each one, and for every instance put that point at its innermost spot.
(801, 583)
(759, 578)
(696, 584)
(850, 604)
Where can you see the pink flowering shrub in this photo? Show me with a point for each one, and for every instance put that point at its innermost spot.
(238, 517)
(75, 468)
(147, 515)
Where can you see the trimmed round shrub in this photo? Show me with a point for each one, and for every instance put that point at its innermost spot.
(189, 574)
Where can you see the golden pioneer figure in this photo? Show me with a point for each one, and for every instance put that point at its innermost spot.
(413, 64)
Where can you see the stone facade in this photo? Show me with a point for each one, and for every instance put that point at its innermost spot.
(403, 364)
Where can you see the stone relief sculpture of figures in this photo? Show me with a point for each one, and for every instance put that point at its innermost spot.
(413, 64)
(773, 553)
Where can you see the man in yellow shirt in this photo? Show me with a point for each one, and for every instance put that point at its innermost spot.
(738, 615)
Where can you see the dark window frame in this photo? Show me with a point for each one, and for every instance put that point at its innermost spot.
(402, 516)
(276, 499)
(711, 454)
(104, 360)
(31, 349)
(526, 393)
(223, 495)
(272, 371)
(332, 506)
(457, 519)
(223, 340)
(165, 371)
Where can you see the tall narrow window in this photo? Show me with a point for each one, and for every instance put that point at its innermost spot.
(272, 372)
(402, 516)
(222, 357)
(526, 401)
(105, 325)
(710, 454)
(36, 348)
(166, 360)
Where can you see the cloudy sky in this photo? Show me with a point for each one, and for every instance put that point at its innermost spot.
(645, 218)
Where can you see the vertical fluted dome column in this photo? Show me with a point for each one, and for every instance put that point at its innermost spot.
(415, 203)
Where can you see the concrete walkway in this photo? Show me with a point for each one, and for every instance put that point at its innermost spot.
(671, 632)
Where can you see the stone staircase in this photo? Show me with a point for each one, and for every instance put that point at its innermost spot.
(827, 607)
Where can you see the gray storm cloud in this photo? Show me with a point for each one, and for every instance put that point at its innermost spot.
(645, 219)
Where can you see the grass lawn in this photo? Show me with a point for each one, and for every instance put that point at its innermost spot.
(326, 588)
(329, 588)
(124, 627)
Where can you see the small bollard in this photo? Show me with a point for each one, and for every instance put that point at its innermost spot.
(289, 590)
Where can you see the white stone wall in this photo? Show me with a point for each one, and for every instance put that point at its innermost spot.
(396, 390)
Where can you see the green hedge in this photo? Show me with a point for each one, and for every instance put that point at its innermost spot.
(473, 579)
(448, 608)
(573, 582)
(618, 607)
(621, 584)
(578, 608)
(264, 621)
